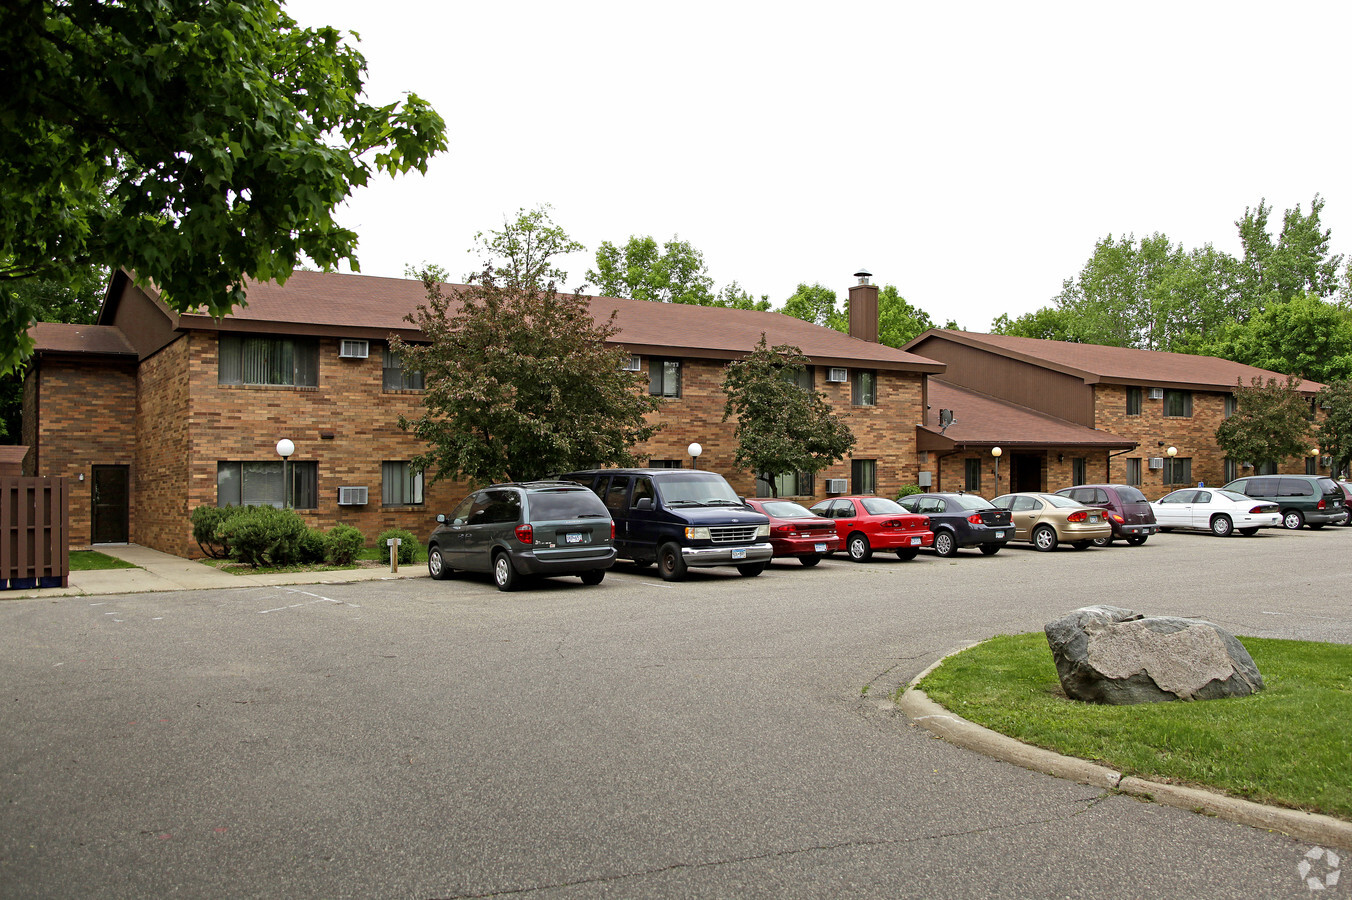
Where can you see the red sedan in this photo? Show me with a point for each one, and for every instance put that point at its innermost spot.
(796, 531)
(866, 524)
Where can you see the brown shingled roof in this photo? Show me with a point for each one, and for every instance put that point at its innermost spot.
(378, 306)
(981, 420)
(1115, 365)
(55, 337)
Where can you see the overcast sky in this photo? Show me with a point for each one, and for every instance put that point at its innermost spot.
(970, 154)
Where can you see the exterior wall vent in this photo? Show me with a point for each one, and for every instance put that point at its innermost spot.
(354, 349)
(837, 375)
(352, 496)
(836, 486)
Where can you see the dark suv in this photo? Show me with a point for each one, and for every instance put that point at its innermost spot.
(1128, 510)
(962, 520)
(680, 518)
(1314, 500)
(522, 530)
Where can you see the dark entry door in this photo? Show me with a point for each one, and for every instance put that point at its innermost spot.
(1027, 474)
(111, 506)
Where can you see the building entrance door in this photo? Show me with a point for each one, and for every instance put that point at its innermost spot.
(111, 505)
(1027, 472)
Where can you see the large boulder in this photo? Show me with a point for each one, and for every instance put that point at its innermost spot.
(1105, 654)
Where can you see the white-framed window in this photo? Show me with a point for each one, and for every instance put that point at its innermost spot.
(262, 484)
(400, 485)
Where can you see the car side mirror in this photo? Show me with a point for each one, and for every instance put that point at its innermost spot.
(441, 518)
(644, 503)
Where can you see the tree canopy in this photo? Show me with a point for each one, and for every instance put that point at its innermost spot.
(675, 272)
(1271, 422)
(197, 144)
(782, 426)
(519, 380)
(1335, 429)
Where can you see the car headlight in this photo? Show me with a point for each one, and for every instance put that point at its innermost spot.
(763, 531)
(697, 534)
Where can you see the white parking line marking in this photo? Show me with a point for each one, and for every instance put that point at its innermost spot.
(319, 598)
(1303, 616)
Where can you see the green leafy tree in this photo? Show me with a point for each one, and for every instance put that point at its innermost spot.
(816, 303)
(641, 270)
(1271, 422)
(781, 426)
(195, 143)
(1048, 323)
(1305, 336)
(1335, 430)
(1296, 262)
(520, 382)
(899, 321)
(732, 296)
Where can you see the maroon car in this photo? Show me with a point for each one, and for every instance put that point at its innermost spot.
(797, 531)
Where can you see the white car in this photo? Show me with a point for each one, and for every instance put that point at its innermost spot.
(1215, 510)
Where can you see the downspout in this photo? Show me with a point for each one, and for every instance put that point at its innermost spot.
(1108, 463)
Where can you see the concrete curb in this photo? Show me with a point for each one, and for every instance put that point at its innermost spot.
(916, 704)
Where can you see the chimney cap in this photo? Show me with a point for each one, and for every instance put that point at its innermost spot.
(863, 275)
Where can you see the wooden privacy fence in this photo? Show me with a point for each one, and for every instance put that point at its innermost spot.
(34, 533)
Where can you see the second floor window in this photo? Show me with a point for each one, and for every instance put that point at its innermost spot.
(664, 377)
(279, 361)
(1133, 401)
(865, 388)
(1178, 404)
(398, 378)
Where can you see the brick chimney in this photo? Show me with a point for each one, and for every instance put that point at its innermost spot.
(863, 307)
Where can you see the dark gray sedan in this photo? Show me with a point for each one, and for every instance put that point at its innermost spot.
(962, 520)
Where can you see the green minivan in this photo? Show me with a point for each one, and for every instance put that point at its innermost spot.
(1314, 500)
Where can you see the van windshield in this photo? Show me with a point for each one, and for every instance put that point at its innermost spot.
(696, 489)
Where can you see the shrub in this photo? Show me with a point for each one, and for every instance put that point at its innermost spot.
(206, 526)
(262, 535)
(408, 549)
(342, 544)
(313, 548)
(907, 490)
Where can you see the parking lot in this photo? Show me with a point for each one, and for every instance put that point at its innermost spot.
(723, 736)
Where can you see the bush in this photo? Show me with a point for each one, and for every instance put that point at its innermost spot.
(313, 548)
(264, 536)
(206, 526)
(909, 489)
(342, 544)
(408, 550)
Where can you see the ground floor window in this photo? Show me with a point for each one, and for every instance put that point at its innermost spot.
(400, 485)
(1311, 465)
(973, 481)
(666, 464)
(1178, 470)
(263, 484)
(789, 484)
(1231, 470)
(864, 476)
(1133, 472)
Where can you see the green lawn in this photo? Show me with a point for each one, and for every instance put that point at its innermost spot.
(1288, 745)
(89, 560)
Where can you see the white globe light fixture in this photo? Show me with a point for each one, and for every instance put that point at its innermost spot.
(996, 451)
(694, 450)
(284, 449)
(1172, 451)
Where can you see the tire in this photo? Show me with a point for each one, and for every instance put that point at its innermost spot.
(1136, 540)
(751, 570)
(906, 554)
(1102, 542)
(1248, 532)
(436, 564)
(1081, 545)
(1221, 526)
(1044, 538)
(670, 564)
(990, 549)
(504, 573)
(810, 560)
(858, 548)
(1293, 519)
(595, 576)
(945, 544)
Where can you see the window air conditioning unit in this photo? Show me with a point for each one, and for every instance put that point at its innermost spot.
(352, 496)
(354, 349)
(1157, 462)
(1326, 461)
(838, 375)
(1156, 394)
(836, 486)
(632, 364)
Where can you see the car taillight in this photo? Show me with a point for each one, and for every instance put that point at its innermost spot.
(612, 529)
(1116, 518)
(1258, 509)
(526, 534)
(1077, 516)
(1321, 505)
(892, 523)
(782, 529)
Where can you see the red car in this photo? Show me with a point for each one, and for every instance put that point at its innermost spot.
(796, 531)
(866, 524)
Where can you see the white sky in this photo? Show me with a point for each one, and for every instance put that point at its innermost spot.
(970, 154)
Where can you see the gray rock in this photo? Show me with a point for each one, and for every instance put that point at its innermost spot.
(1105, 654)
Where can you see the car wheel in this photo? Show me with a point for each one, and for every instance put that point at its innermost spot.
(504, 573)
(436, 564)
(1221, 526)
(1293, 519)
(945, 544)
(1103, 542)
(595, 576)
(859, 549)
(1081, 545)
(1044, 538)
(990, 549)
(1136, 540)
(906, 554)
(1248, 532)
(810, 560)
(751, 570)
(670, 563)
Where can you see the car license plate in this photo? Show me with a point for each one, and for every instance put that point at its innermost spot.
(573, 537)
(820, 548)
(739, 554)
(915, 542)
(999, 534)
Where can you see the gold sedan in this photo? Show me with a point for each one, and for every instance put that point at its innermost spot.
(1049, 519)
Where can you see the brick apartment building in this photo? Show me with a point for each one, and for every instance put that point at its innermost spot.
(151, 413)
(1065, 413)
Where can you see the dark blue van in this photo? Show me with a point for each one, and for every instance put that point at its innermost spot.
(679, 518)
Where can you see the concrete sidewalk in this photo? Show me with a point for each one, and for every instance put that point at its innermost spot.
(162, 572)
